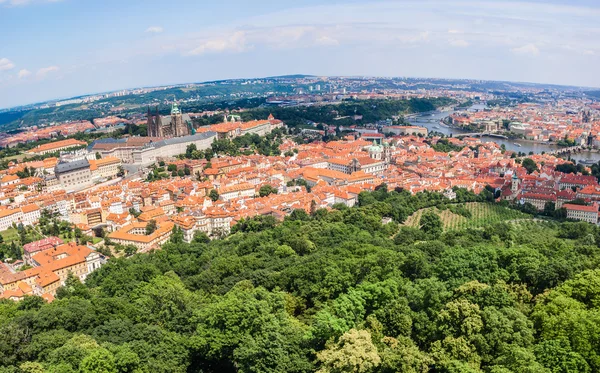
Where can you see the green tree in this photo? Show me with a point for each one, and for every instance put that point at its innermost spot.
(151, 227)
(31, 367)
(189, 151)
(200, 237)
(72, 288)
(266, 189)
(213, 195)
(177, 235)
(74, 351)
(250, 328)
(431, 224)
(166, 302)
(401, 355)
(529, 165)
(99, 361)
(354, 352)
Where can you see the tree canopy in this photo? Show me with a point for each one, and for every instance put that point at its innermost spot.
(332, 291)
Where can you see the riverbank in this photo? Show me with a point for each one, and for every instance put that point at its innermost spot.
(435, 124)
(519, 139)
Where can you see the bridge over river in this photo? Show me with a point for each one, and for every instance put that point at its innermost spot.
(480, 134)
(434, 123)
(570, 149)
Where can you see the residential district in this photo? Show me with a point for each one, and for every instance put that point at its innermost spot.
(103, 189)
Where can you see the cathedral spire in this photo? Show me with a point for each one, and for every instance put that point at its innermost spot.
(174, 109)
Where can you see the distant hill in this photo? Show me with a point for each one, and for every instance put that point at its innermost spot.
(11, 116)
(595, 94)
(293, 76)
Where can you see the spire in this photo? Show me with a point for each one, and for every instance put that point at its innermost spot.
(174, 108)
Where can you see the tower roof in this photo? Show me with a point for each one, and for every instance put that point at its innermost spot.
(175, 109)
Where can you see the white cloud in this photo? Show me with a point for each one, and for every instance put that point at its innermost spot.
(414, 38)
(285, 37)
(26, 2)
(327, 41)
(234, 43)
(24, 73)
(6, 64)
(527, 49)
(460, 43)
(41, 73)
(453, 31)
(155, 29)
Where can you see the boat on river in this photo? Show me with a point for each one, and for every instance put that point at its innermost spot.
(517, 144)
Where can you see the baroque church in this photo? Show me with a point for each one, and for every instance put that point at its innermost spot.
(174, 125)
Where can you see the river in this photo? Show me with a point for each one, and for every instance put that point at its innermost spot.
(432, 123)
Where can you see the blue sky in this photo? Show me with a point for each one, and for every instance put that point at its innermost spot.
(61, 48)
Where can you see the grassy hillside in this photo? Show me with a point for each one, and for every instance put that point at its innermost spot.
(481, 214)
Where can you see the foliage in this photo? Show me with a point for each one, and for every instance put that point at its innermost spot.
(354, 352)
(213, 195)
(445, 146)
(431, 224)
(332, 291)
(571, 168)
(267, 189)
(470, 215)
(529, 165)
(370, 110)
(151, 227)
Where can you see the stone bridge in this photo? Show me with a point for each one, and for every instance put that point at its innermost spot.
(570, 149)
(479, 134)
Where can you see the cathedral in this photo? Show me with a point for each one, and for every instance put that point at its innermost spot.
(174, 125)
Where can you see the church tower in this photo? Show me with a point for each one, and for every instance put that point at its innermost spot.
(514, 187)
(153, 123)
(387, 153)
(177, 125)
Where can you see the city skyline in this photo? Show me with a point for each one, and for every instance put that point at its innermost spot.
(147, 44)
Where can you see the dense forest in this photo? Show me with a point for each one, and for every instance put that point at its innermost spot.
(370, 110)
(330, 291)
(199, 98)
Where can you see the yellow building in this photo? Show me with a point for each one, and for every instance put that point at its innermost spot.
(135, 234)
(105, 167)
(50, 269)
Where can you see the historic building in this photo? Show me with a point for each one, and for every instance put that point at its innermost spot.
(74, 175)
(175, 125)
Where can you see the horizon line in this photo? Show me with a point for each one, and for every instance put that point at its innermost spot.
(8, 109)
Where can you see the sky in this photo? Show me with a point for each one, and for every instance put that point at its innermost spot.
(51, 49)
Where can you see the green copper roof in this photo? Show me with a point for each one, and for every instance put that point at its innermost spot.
(174, 109)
